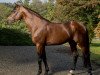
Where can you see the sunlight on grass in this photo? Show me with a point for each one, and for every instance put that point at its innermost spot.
(95, 46)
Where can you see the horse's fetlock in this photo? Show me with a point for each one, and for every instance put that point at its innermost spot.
(46, 73)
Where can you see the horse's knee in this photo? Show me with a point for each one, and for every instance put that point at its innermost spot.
(75, 54)
(39, 60)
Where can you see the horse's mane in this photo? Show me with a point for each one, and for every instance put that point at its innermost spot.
(35, 13)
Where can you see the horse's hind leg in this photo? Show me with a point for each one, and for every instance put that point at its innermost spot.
(73, 46)
(86, 57)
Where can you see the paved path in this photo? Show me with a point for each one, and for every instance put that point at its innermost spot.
(22, 60)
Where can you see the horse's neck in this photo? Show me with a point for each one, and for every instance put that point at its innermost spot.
(32, 20)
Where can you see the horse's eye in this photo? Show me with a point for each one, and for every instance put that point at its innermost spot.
(14, 11)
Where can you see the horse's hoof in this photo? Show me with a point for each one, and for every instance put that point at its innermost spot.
(46, 73)
(39, 72)
(71, 72)
(90, 73)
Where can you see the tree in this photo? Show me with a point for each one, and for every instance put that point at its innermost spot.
(36, 5)
(26, 2)
(50, 10)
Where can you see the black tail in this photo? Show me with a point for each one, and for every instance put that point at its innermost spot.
(86, 52)
(87, 41)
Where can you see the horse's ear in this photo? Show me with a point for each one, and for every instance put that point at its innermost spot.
(18, 4)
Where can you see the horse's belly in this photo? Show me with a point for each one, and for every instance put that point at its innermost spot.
(57, 34)
(56, 40)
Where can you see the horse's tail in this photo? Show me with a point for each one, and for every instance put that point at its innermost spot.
(86, 52)
(87, 40)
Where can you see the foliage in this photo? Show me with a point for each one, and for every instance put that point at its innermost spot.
(36, 5)
(26, 2)
(50, 10)
(14, 37)
(14, 34)
(4, 10)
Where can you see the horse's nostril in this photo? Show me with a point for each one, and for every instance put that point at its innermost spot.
(8, 21)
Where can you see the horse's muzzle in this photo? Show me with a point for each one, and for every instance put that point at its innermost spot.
(9, 21)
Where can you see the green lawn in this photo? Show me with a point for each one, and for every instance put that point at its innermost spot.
(95, 50)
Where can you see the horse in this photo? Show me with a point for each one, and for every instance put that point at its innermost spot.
(44, 32)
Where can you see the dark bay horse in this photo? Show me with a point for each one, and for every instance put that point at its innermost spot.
(44, 33)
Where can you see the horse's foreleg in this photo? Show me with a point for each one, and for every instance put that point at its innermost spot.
(40, 49)
(73, 45)
(45, 63)
(39, 63)
(42, 56)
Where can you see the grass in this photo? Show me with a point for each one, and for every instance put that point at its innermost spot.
(95, 50)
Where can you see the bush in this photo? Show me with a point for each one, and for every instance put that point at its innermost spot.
(14, 34)
(14, 37)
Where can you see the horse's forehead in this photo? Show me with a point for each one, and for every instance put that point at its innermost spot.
(17, 7)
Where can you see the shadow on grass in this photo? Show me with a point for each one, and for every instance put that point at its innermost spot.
(14, 37)
(95, 44)
(95, 58)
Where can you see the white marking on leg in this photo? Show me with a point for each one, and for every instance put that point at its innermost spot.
(71, 71)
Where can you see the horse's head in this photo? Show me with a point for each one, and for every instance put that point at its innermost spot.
(16, 14)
